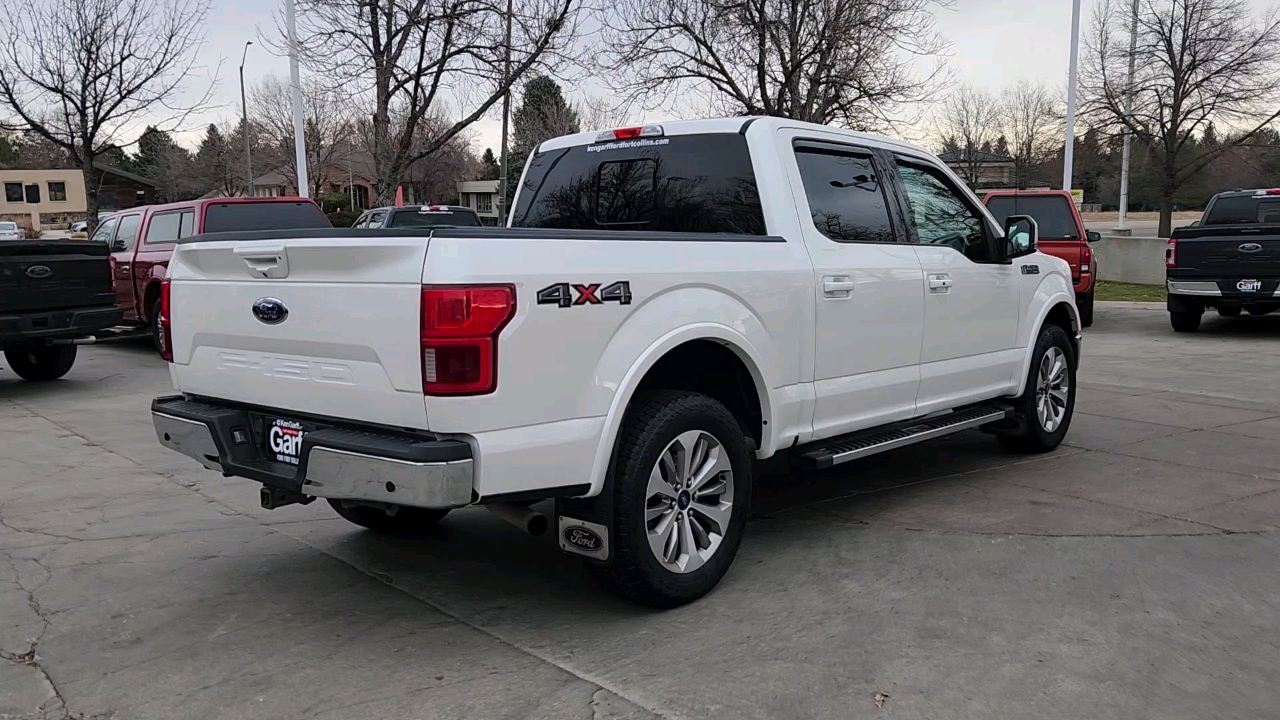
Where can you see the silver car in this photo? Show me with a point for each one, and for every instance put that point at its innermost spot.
(12, 231)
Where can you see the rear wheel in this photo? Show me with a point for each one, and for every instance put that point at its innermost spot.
(681, 489)
(1229, 311)
(405, 520)
(1084, 304)
(40, 362)
(1185, 321)
(1049, 398)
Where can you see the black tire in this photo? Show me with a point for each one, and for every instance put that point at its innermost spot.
(1084, 304)
(1260, 310)
(652, 423)
(40, 362)
(155, 327)
(1229, 311)
(1183, 321)
(406, 521)
(1033, 437)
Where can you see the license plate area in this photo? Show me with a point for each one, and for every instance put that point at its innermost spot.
(280, 438)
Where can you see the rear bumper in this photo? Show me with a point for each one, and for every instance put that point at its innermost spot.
(340, 463)
(68, 323)
(1084, 284)
(1227, 289)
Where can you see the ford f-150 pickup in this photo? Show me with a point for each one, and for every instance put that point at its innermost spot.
(666, 304)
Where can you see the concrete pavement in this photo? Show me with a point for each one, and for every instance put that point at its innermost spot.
(1130, 574)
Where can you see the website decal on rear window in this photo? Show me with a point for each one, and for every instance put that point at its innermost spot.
(625, 144)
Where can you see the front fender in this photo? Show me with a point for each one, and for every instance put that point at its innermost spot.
(1053, 291)
(700, 314)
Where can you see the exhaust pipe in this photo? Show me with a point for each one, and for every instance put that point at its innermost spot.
(530, 521)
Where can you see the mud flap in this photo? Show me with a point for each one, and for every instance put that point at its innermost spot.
(584, 525)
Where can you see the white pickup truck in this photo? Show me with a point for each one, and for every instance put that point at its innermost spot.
(667, 303)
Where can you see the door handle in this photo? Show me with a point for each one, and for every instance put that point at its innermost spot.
(940, 283)
(837, 287)
(123, 266)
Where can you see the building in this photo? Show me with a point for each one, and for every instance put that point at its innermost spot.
(34, 198)
(481, 196)
(120, 190)
(981, 169)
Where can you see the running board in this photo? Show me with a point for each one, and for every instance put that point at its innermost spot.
(887, 437)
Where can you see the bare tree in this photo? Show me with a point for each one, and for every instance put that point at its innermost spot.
(1197, 62)
(850, 62)
(78, 73)
(421, 55)
(329, 126)
(970, 120)
(1030, 118)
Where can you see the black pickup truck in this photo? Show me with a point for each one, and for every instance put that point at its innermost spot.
(1228, 260)
(53, 296)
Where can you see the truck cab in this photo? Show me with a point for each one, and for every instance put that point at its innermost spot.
(1062, 235)
(142, 239)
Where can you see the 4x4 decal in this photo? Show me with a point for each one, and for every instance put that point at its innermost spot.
(569, 294)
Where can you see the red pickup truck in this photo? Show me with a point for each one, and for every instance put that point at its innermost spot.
(1062, 234)
(142, 239)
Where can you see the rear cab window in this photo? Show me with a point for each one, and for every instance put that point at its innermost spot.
(232, 217)
(168, 227)
(1052, 214)
(1256, 209)
(424, 217)
(702, 183)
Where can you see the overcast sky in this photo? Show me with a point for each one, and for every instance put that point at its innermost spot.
(994, 43)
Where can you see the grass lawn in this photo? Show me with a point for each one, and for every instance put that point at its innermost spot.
(1109, 290)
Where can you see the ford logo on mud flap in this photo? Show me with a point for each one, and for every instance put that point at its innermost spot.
(39, 271)
(270, 311)
(583, 538)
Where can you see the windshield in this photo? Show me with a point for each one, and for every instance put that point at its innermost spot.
(8, 226)
(1244, 210)
(687, 183)
(445, 216)
(235, 216)
(1052, 214)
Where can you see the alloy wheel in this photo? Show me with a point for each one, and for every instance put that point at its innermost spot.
(689, 501)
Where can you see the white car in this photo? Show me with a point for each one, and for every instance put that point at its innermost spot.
(12, 231)
(668, 303)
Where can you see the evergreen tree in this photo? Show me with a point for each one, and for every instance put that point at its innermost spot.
(214, 160)
(542, 114)
(490, 169)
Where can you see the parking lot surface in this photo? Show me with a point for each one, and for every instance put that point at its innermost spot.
(1130, 574)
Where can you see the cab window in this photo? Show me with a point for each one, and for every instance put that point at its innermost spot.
(940, 214)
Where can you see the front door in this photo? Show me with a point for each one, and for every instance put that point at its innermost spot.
(867, 286)
(972, 301)
(122, 244)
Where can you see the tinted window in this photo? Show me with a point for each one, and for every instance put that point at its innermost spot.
(163, 228)
(230, 217)
(940, 214)
(1244, 210)
(689, 183)
(127, 234)
(416, 218)
(846, 199)
(104, 232)
(1052, 214)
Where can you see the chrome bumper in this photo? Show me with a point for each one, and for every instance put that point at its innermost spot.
(1199, 288)
(328, 472)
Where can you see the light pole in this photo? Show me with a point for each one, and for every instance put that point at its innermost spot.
(295, 86)
(244, 125)
(1068, 151)
(1122, 227)
(506, 113)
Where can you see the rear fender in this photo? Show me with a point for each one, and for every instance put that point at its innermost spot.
(700, 314)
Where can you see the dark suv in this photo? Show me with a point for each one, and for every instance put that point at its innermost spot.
(413, 216)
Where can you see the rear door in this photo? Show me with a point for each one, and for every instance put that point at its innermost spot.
(870, 306)
(162, 231)
(123, 243)
(321, 325)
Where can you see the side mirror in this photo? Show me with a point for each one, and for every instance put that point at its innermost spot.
(1092, 236)
(1020, 236)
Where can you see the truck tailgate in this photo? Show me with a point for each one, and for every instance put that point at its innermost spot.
(45, 275)
(1229, 251)
(347, 345)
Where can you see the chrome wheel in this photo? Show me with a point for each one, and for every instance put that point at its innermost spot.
(1053, 387)
(689, 501)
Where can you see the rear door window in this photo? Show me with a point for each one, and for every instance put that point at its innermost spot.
(686, 183)
(233, 217)
(846, 198)
(1052, 214)
(163, 228)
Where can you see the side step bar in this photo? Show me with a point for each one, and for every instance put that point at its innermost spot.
(887, 437)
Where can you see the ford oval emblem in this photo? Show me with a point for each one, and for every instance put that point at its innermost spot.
(583, 538)
(1249, 247)
(39, 271)
(270, 311)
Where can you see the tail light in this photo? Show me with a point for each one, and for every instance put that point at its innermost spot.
(630, 133)
(460, 328)
(1086, 258)
(1171, 253)
(166, 323)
